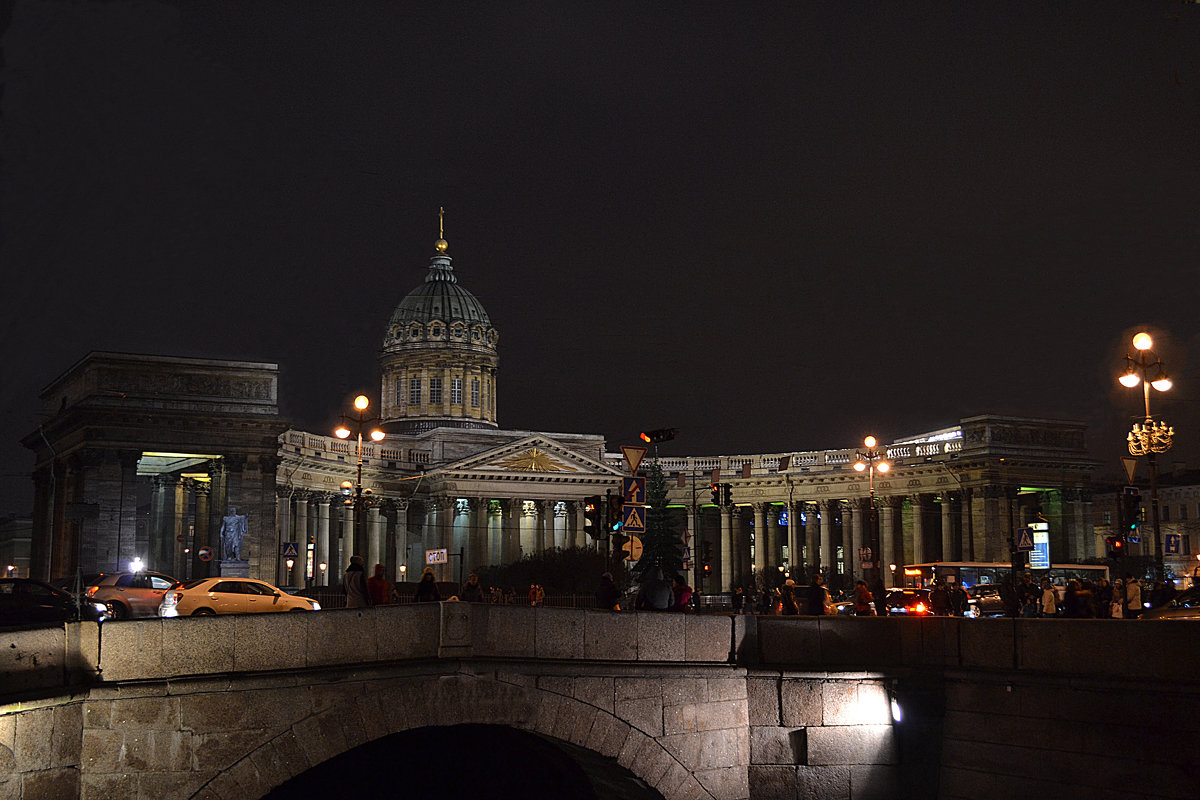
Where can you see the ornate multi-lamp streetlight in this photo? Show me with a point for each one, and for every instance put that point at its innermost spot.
(1150, 437)
(869, 460)
(354, 494)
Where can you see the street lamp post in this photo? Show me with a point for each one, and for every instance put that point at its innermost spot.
(354, 495)
(868, 460)
(1150, 437)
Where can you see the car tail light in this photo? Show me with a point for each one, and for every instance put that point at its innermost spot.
(170, 599)
(91, 591)
(919, 608)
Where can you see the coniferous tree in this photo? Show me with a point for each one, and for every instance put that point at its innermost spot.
(661, 545)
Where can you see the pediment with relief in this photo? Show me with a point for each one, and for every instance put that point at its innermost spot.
(532, 455)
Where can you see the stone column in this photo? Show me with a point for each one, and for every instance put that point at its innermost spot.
(947, 527)
(966, 537)
(179, 525)
(726, 551)
(989, 540)
(201, 535)
(773, 557)
(544, 527)
(812, 539)
(283, 519)
(159, 518)
(510, 529)
(349, 524)
(887, 539)
(795, 536)
(401, 507)
(918, 516)
(374, 539)
(321, 548)
(857, 510)
(760, 537)
(477, 537)
(574, 524)
(826, 556)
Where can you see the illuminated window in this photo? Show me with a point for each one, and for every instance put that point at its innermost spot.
(435, 390)
(456, 391)
(414, 391)
(475, 392)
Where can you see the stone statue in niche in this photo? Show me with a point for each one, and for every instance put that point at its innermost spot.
(233, 529)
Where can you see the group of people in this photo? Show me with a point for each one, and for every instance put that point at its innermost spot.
(1084, 599)
(377, 590)
(814, 600)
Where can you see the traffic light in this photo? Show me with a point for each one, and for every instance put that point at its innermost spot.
(660, 435)
(615, 513)
(1116, 546)
(716, 493)
(1131, 510)
(591, 517)
(708, 553)
(726, 494)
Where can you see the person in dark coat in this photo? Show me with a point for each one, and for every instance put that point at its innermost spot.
(607, 596)
(788, 603)
(471, 591)
(355, 584)
(960, 601)
(939, 600)
(427, 591)
(818, 597)
(379, 588)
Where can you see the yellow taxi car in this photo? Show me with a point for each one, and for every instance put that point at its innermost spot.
(204, 596)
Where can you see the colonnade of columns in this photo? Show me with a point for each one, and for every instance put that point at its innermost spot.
(474, 532)
(828, 536)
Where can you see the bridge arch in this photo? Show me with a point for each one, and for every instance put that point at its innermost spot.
(346, 716)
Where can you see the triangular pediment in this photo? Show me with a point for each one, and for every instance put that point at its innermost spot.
(529, 457)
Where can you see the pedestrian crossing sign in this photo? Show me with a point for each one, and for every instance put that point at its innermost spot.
(289, 550)
(1024, 542)
(633, 519)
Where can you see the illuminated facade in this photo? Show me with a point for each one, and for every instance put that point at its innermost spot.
(142, 456)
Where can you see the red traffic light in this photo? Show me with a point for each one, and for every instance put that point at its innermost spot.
(660, 435)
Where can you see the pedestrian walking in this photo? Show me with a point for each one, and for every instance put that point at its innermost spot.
(379, 588)
(1049, 599)
(863, 600)
(355, 584)
(427, 590)
(1133, 597)
(960, 601)
(607, 596)
(471, 591)
(818, 597)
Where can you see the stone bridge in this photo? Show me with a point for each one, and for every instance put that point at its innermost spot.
(627, 704)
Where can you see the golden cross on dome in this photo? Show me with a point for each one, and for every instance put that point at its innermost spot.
(441, 245)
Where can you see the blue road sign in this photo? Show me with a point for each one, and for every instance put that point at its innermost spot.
(290, 550)
(633, 519)
(1171, 544)
(633, 490)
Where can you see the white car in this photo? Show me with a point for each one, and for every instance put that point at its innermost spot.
(205, 596)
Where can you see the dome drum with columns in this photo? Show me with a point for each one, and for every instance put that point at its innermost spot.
(439, 360)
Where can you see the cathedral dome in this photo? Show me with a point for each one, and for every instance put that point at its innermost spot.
(440, 298)
(438, 361)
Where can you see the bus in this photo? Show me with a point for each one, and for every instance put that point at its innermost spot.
(975, 573)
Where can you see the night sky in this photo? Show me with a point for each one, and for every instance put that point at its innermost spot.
(773, 226)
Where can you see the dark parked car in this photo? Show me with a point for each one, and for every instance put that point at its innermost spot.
(1185, 606)
(25, 601)
(911, 602)
(985, 600)
(130, 594)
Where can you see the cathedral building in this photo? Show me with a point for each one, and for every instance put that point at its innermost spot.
(150, 457)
